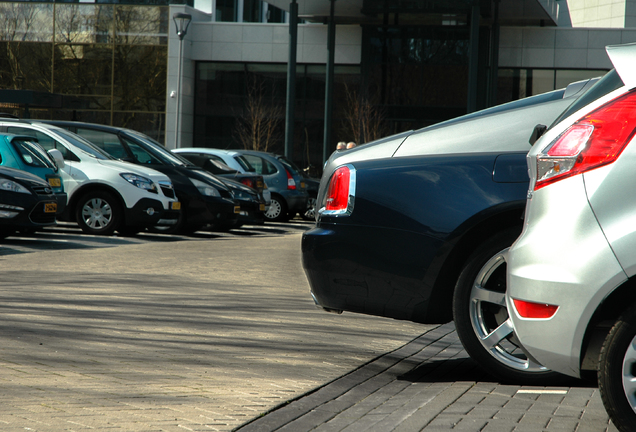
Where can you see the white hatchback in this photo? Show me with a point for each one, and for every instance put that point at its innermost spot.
(104, 194)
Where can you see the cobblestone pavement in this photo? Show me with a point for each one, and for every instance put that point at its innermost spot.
(167, 333)
(430, 384)
(218, 332)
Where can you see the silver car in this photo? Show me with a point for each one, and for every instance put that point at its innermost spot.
(571, 294)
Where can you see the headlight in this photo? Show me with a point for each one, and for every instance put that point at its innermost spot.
(11, 186)
(205, 189)
(140, 182)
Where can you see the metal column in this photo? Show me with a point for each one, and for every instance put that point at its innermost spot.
(494, 58)
(473, 58)
(331, 47)
(291, 80)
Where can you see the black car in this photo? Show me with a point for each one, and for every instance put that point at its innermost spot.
(205, 199)
(26, 202)
(408, 226)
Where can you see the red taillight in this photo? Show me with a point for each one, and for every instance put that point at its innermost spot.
(533, 310)
(338, 192)
(595, 140)
(291, 184)
(248, 182)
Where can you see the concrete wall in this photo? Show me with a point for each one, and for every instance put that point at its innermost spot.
(550, 47)
(603, 13)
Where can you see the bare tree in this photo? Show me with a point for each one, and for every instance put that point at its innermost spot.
(363, 118)
(258, 126)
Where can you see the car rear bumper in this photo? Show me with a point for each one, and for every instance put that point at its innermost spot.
(370, 270)
(562, 258)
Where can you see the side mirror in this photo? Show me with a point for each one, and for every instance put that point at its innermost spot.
(57, 157)
(536, 133)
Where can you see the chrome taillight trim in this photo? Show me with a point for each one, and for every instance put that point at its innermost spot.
(350, 201)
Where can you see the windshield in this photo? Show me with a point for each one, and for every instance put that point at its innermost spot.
(81, 143)
(610, 82)
(32, 153)
(159, 150)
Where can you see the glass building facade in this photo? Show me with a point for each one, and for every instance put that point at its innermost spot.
(111, 57)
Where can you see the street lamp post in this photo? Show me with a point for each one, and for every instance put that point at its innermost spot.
(181, 22)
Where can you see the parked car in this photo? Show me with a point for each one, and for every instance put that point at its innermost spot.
(215, 165)
(571, 273)
(24, 153)
(205, 199)
(104, 194)
(284, 180)
(412, 226)
(26, 201)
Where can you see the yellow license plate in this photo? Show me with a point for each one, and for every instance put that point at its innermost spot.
(302, 185)
(262, 207)
(50, 207)
(55, 182)
(175, 205)
(259, 184)
(237, 209)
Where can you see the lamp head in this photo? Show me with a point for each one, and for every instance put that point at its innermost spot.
(181, 22)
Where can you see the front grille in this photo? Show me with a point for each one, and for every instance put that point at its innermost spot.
(39, 217)
(226, 194)
(42, 190)
(167, 191)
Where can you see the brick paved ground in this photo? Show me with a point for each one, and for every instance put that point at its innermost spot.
(169, 335)
(431, 384)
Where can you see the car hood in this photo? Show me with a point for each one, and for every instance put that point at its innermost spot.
(127, 167)
(21, 176)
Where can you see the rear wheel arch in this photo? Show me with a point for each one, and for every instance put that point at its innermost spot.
(469, 239)
(605, 316)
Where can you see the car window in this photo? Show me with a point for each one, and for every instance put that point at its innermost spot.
(44, 140)
(290, 165)
(109, 142)
(32, 153)
(140, 154)
(155, 148)
(260, 165)
(244, 163)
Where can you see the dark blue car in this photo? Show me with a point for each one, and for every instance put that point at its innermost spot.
(415, 226)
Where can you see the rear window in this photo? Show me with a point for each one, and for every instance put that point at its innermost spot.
(610, 82)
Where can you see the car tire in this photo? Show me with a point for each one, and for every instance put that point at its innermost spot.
(617, 372)
(277, 211)
(99, 213)
(481, 317)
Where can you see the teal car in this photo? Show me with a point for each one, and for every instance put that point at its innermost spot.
(25, 154)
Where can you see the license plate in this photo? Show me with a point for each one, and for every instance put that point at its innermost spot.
(50, 207)
(237, 209)
(176, 205)
(259, 184)
(55, 182)
(262, 207)
(302, 185)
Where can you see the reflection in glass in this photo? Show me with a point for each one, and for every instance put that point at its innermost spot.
(140, 78)
(83, 70)
(26, 22)
(25, 65)
(140, 25)
(83, 23)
